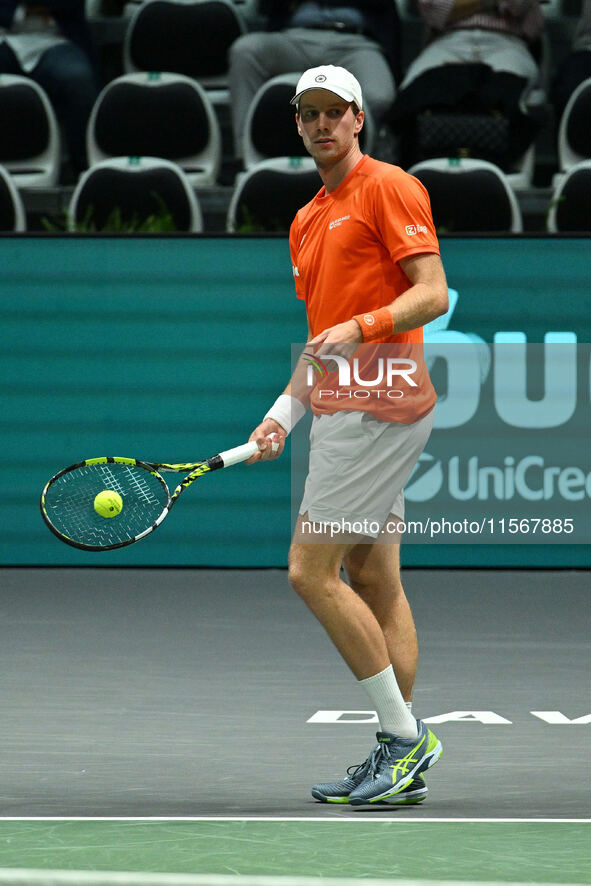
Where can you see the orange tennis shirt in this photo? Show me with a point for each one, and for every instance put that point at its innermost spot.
(345, 251)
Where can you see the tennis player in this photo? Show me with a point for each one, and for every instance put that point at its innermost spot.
(366, 263)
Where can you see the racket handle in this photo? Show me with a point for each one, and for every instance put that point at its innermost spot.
(242, 453)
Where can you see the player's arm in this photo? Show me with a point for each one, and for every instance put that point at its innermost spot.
(285, 412)
(425, 300)
(291, 405)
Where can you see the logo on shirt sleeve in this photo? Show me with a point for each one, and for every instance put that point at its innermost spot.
(415, 229)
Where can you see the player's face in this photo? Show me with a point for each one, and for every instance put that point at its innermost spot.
(328, 126)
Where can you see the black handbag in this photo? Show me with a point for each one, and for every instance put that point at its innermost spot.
(442, 134)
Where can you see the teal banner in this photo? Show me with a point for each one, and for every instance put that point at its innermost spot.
(172, 349)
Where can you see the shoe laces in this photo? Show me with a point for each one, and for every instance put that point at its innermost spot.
(356, 768)
(380, 756)
(374, 762)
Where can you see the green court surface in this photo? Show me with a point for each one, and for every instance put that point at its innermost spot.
(493, 851)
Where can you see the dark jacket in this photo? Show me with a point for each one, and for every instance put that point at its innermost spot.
(381, 18)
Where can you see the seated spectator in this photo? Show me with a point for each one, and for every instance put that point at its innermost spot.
(576, 67)
(51, 43)
(362, 36)
(480, 57)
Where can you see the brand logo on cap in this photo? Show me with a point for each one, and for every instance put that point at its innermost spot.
(320, 78)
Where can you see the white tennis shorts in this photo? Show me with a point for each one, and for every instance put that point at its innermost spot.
(358, 467)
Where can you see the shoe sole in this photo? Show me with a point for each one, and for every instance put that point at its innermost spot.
(407, 798)
(340, 800)
(391, 798)
(410, 798)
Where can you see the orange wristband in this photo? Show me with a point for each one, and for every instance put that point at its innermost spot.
(377, 324)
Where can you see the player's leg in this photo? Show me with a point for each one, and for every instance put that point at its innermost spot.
(396, 768)
(374, 574)
(314, 573)
(358, 467)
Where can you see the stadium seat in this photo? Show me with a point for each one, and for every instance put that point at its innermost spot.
(120, 193)
(12, 211)
(469, 196)
(570, 204)
(475, 135)
(30, 143)
(267, 196)
(190, 37)
(574, 131)
(270, 129)
(157, 115)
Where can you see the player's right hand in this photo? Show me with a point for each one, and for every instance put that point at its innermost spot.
(266, 434)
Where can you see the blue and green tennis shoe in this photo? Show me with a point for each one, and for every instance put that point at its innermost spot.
(407, 790)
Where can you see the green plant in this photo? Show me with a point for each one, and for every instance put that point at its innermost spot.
(249, 224)
(556, 201)
(158, 222)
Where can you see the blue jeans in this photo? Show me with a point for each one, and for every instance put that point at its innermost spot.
(67, 76)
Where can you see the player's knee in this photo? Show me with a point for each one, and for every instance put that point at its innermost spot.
(306, 579)
(362, 572)
(298, 576)
(371, 583)
(362, 579)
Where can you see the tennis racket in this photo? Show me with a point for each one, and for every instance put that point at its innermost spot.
(67, 501)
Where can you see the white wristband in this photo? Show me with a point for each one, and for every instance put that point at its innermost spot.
(286, 411)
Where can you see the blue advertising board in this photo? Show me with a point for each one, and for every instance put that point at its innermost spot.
(172, 348)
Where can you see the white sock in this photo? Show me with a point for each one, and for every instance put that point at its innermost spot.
(392, 710)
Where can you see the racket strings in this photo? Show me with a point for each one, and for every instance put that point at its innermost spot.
(69, 503)
(146, 493)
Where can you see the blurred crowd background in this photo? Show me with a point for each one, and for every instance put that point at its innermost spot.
(174, 115)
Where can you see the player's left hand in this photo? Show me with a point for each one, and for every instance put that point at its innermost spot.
(342, 339)
(350, 331)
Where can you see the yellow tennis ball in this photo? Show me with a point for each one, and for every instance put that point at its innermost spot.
(108, 503)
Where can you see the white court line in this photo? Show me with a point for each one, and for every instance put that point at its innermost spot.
(302, 819)
(33, 877)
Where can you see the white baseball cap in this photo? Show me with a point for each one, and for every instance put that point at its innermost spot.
(334, 79)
